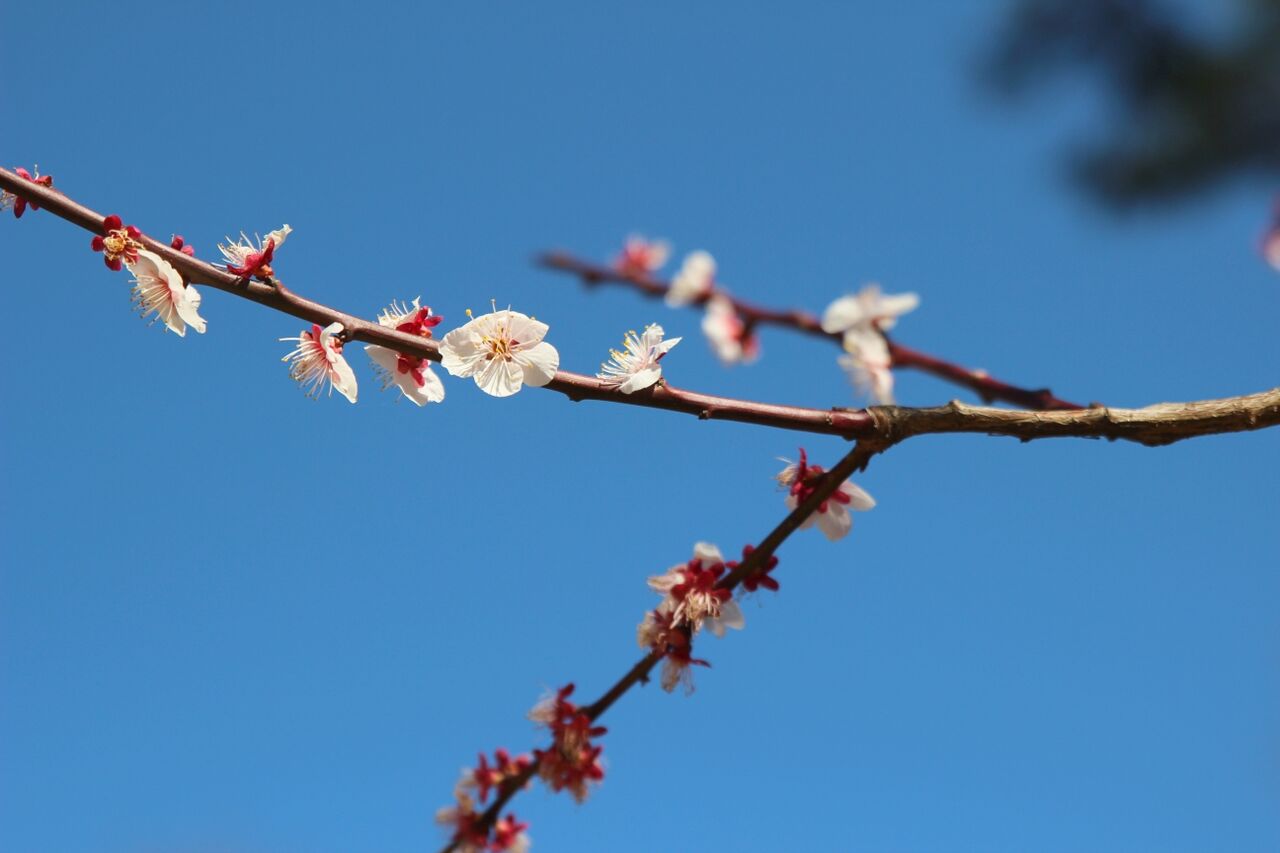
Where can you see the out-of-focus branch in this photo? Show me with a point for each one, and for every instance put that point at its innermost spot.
(987, 388)
(853, 461)
(882, 425)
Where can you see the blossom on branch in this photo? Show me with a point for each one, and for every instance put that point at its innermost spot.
(119, 243)
(485, 777)
(691, 595)
(470, 835)
(642, 257)
(573, 761)
(249, 258)
(501, 351)
(158, 289)
(694, 281)
(732, 339)
(410, 373)
(865, 314)
(317, 360)
(832, 516)
(869, 367)
(636, 367)
(760, 579)
(675, 642)
(16, 201)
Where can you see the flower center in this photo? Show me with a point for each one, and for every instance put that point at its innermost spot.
(500, 346)
(116, 242)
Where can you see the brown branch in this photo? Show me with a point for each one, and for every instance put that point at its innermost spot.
(987, 388)
(853, 461)
(1160, 424)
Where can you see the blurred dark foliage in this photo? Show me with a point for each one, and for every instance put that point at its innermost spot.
(1191, 109)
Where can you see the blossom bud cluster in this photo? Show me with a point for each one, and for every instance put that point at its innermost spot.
(470, 834)
(18, 203)
(572, 763)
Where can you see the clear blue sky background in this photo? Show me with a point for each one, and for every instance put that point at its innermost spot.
(235, 619)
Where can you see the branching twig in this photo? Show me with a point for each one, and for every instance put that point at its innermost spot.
(853, 461)
(1160, 424)
(988, 389)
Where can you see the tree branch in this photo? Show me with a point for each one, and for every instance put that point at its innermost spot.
(884, 425)
(853, 461)
(987, 388)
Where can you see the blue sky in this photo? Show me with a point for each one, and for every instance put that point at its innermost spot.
(235, 619)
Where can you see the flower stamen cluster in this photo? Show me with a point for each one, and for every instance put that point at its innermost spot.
(119, 243)
(573, 761)
(248, 258)
(636, 367)
(317, 361)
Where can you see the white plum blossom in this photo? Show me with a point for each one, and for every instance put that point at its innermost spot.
(868, 366)
(502, 351)
(691, 596)
(317, 360)
(158, 289)
(695, 279)
(411, 374)
(860, 316)
(832, 515)
(730, 339)
(642, 257)
(636, 367)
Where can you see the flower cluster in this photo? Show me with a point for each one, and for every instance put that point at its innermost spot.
(411, 374)
(691, 600)
(636, 366)
(694, 282)
(470, 835)
(641, 257)
(248, 258)
(732, 339)
(801, 480)
(572, 762)
(469, 832)
(861, 319)
(118, 243)
(17, 202)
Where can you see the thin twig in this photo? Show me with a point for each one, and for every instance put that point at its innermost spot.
(987, 388)
(855, 460)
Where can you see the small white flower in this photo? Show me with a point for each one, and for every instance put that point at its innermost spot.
(868, 366)
(692, 597)
(694, 280)
(158, 289)
(861, 314)
(642, 257)
(727, 334)
(832, 515)
(501, 351)
(317, 360)
(637, 367)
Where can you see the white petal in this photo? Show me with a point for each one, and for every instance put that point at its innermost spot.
(524, 329)
(462, 353)
(896, 305)
(343, 378)
(858, 497)
(188, 308)
(432, 390)
(539, 362)
(836, 522)
(279, 235)
(845, 312)
(499, 377)
(640, 380)
(730, 617)
(707, 552)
